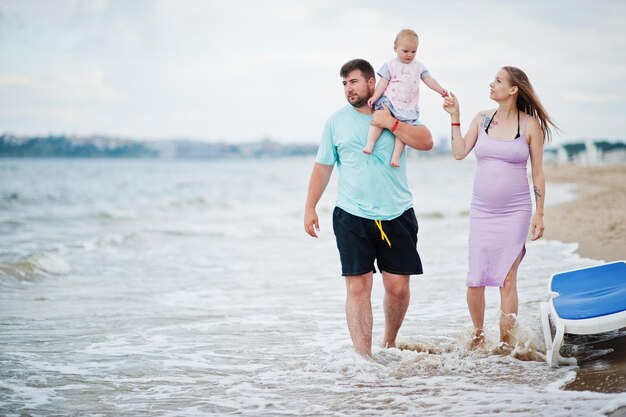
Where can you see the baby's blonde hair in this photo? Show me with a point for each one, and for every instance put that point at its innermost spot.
(404, 33)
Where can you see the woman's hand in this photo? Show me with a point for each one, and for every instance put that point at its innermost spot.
(536, 226)
(450, 103)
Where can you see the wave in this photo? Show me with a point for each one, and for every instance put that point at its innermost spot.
(117, 214)
(115, 240)
(434, 215)
(10, 197)
(199, 201)
(10, 225)
(222, 202)
(103, 241)
(36, 264)
(186, 231)
(440, 215)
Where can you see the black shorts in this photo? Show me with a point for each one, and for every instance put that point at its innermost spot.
(360, 241)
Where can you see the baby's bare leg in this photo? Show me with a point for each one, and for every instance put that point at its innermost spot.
(372, 136)
(397, 152)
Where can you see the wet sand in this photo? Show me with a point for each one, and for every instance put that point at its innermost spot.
(596, 219)
(606, 373)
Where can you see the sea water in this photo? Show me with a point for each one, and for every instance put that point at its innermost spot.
(189, 288)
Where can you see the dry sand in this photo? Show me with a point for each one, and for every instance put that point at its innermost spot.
(596, 219)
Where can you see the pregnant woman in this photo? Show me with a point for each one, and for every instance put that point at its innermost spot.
(501, 210)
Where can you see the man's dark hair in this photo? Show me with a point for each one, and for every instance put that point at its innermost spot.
(357, 64)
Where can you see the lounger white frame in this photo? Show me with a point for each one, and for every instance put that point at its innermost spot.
(592, 325)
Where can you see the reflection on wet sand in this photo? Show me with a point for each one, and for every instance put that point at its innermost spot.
(601, 360)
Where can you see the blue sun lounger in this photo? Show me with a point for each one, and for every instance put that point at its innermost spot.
(583, 301)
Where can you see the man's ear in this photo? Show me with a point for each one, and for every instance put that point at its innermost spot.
(371, 83)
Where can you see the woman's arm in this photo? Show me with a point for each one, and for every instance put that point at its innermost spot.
(461, 145)
(417, 137)
(535, 136)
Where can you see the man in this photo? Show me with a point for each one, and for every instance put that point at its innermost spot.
(373, 217)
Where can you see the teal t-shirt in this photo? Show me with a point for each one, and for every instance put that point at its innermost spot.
(369, 186)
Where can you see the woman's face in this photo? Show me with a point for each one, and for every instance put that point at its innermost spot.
(500, 87)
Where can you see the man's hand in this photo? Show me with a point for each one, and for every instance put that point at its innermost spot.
(311, 222)
(417, 137)
(319, 179)
(383, 118)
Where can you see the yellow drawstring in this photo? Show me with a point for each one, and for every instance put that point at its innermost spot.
(382, 233)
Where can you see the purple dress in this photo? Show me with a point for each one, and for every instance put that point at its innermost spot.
(501, 208)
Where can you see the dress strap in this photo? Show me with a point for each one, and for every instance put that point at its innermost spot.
(518, 134)
(490, 120)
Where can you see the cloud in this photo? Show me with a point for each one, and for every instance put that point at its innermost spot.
(157, 68)
(14, 80)
(58, 88)
(588, 98)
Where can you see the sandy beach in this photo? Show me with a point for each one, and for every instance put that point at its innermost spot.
(596, 219)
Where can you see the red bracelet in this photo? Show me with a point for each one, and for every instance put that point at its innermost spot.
(395, 125)
(455, 124)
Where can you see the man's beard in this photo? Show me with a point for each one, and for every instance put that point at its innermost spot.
(360, 102)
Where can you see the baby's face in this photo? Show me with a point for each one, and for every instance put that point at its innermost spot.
(406, 47)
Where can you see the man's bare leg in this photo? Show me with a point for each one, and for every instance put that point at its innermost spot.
(359, 312)
(396, 303)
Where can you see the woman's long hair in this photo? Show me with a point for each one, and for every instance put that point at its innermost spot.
(528, 102)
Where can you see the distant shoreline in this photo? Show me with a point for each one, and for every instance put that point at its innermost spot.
(106, 147)
(99, 146)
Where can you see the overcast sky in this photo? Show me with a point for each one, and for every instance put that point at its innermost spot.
(242, 70)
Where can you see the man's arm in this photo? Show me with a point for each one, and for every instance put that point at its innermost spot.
(317, 184)
(417, 137)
